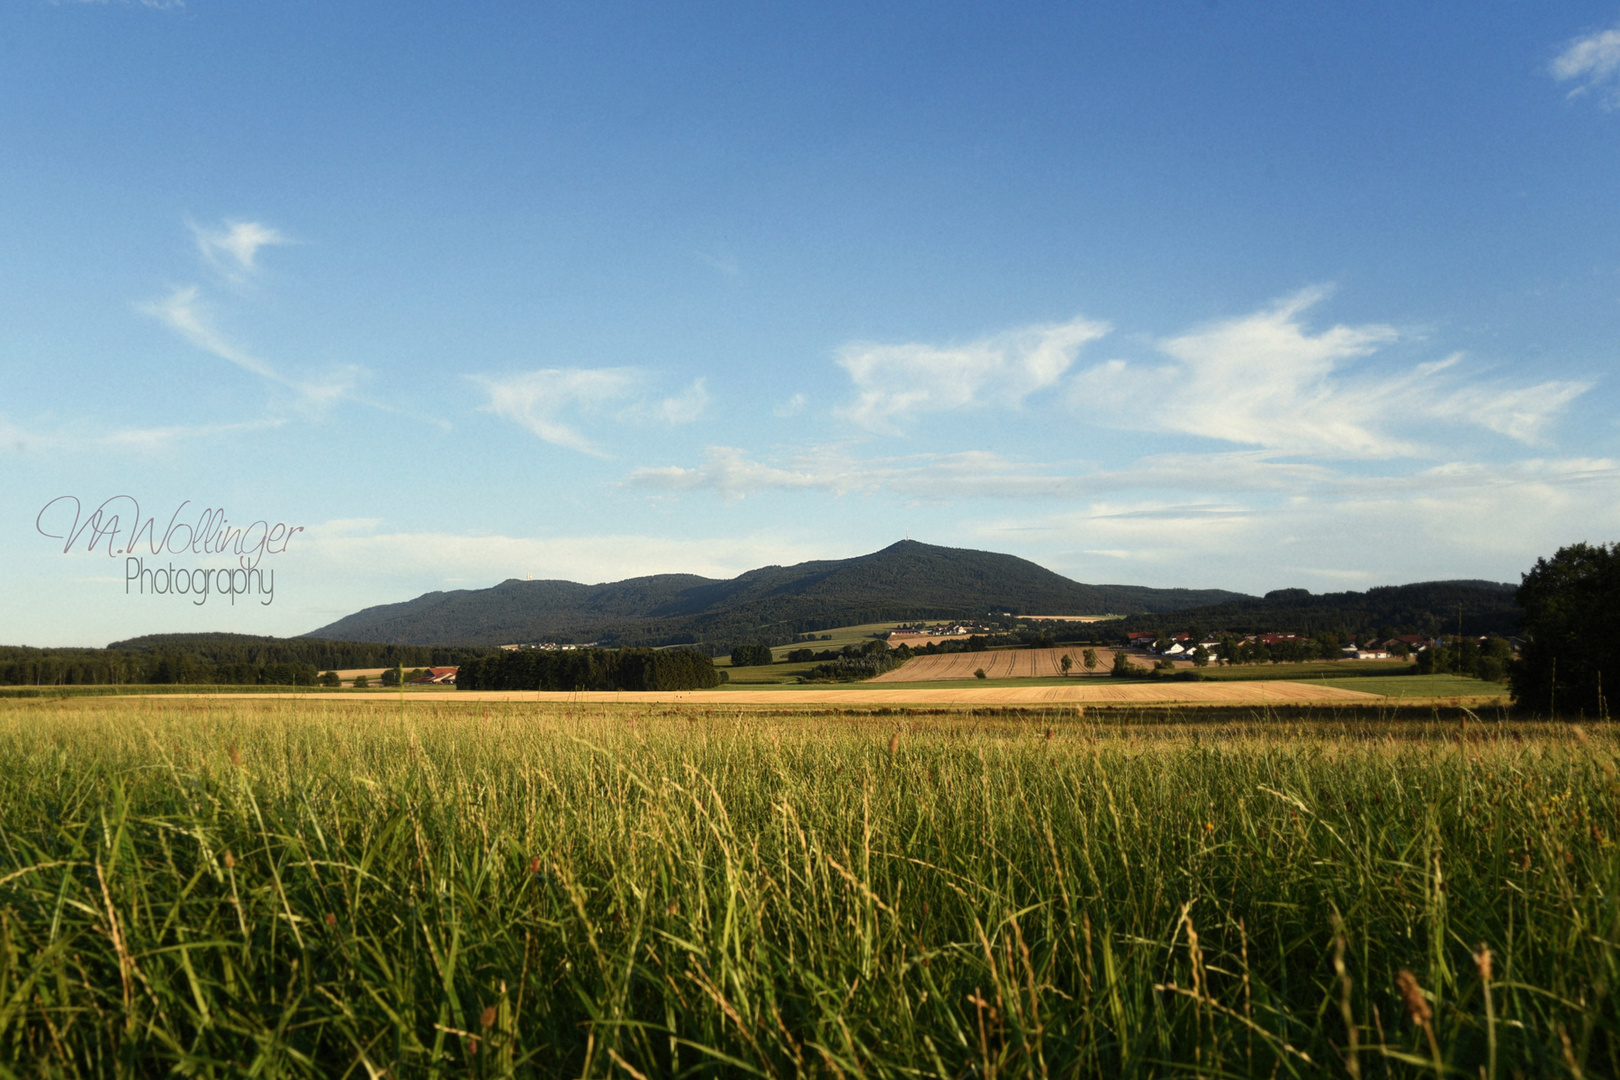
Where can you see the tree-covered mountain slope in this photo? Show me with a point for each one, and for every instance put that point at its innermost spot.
(906, 580)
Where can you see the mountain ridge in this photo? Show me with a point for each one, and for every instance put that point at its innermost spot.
(906, 580)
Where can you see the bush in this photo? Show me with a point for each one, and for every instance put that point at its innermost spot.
(330, 678)
(979, 673)
(361, 682)
(800, 656)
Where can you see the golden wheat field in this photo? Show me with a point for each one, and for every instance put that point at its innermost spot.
(1076, 692)
(448, 885)
(1000, 664)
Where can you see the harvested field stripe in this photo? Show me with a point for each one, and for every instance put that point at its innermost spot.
(1081, 691)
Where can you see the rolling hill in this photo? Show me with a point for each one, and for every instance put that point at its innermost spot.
(907, 580)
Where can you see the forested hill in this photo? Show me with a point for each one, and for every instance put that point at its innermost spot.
(907, 580)
(1428, 607)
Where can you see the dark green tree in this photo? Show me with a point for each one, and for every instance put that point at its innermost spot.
(753, 654)
(1570, 662)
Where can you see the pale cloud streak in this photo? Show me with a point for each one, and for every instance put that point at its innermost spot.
(897, 382)
(1593, 62)
(686, 406)
(552, 403)
(1365, 530)
(183, 312)
(1266, 380)
(542, 401)
(234, 249)
(151, 440)
(437, 559)
(941, 477)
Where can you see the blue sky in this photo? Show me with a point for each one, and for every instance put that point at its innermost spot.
(1217, 295)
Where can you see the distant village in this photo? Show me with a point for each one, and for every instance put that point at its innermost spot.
(1232, 648)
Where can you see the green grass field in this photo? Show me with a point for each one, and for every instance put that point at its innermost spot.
(305, 888)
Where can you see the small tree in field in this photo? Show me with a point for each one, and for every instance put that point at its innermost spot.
(1066, 663)
(1089, 658)
(361, 682)
(1123, 668)
(979, 674)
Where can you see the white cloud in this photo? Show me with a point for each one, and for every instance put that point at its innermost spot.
(793, 406)
(182, 312)
(156, 5)
(552, 402)
(1265, 380)
(686, 406)
(234, 249)
(1521, 413)
(139, 440)
(1449, 521)
(896, 382)
(540, 400)
(732, 474)
(1594, 62)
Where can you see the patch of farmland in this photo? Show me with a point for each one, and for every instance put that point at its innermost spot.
(1078, 691)
(997, 664)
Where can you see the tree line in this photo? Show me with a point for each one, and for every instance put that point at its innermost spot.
(212, 659)
(589, 669)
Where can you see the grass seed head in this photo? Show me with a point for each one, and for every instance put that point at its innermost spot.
(1482, 960)
(1417, 1008)
(486, 1019)
(230, 860)
(894, 744)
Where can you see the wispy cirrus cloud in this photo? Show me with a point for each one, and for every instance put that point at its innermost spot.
(183, 312)
(733, 474)
(1592, 62)
(1363, 530)
(897, 382)
(81, 437)
(546, 401)
(687, 406)
(234, 249)
(156, 5)
(365, 548)
(1267, 380)
(554, 403)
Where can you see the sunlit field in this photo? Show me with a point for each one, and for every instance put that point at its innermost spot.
(434, 887)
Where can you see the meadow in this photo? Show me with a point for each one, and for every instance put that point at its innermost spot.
(434, 887)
